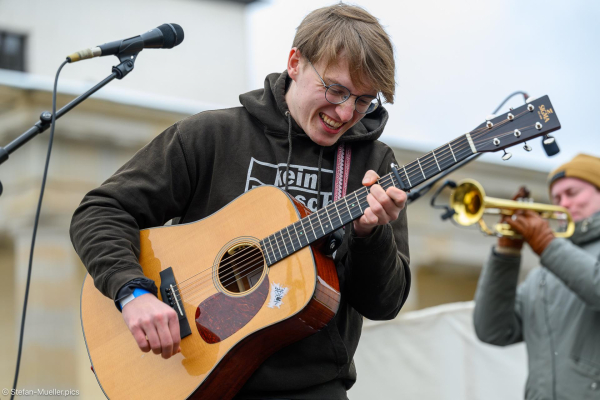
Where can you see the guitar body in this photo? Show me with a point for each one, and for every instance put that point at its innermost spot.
(239, 313)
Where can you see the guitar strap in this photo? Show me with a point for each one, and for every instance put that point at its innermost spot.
(342, 171)
(340, 186)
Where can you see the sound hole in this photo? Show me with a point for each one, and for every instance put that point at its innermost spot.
(241, 267)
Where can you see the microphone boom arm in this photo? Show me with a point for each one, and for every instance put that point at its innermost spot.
(119, 72)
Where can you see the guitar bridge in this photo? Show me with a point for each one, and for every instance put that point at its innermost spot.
(170, 296)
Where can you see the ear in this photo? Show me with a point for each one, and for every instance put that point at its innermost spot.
(293, 64)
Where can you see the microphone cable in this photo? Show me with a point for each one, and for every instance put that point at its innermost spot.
(35, 226)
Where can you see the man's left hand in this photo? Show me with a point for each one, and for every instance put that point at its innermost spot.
(384, 206)
(535, 230)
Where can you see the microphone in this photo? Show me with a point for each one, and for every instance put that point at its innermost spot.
(165, 36)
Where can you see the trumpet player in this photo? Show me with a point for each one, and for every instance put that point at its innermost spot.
(556, 310)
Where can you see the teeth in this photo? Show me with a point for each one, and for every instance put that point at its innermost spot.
(330, 122)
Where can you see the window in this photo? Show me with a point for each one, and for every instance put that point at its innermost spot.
(12, 51)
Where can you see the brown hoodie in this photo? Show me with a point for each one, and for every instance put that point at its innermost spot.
(200, 164)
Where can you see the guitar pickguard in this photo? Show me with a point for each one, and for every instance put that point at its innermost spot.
(220, 316)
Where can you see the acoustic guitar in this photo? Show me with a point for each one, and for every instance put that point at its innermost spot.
(248, 280)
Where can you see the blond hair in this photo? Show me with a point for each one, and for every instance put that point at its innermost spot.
(327, 32)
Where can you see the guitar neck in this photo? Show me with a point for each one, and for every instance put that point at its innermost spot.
(337, 214)
(530, 120)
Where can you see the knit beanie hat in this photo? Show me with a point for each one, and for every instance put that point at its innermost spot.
(583, 166)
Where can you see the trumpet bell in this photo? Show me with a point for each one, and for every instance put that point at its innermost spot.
(468, 200)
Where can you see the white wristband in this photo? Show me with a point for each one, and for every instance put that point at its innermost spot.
(126, 300)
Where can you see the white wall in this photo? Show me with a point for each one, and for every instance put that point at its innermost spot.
(210, 64)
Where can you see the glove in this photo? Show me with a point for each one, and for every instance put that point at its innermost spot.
(535, 230)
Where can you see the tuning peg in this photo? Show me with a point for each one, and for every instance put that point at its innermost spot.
(527, 147)
(548, 140)
(506, 156)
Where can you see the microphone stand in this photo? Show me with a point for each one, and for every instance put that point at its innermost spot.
(118, 72)
(47, 120)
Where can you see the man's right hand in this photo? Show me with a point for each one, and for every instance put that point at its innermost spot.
(153, 324)
(506, 242)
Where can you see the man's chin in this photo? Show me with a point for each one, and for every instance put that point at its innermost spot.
(327, 141)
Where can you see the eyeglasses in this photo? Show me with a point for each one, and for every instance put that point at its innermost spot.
(337, 94)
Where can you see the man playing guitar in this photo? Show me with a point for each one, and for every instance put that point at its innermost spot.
(312, 130)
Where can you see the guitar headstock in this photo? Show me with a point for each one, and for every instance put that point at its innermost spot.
(526, 122)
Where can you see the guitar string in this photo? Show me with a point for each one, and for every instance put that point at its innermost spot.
(224, 273)
(278, 241)
(475, 134)
(202, 289)
(190, 296)
(329, 217)
(334, 214)
(343, 214)
(229, 273)
(281, 231)
(458, 149)
(311, 218)
(422, 166)
(413, 171)
(383, 180)
(446, 154)
(290, 236)
(230, 278)
(252, 267)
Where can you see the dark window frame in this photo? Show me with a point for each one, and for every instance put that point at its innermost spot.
(13, 59)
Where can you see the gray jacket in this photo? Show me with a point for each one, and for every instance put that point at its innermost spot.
(556, 310)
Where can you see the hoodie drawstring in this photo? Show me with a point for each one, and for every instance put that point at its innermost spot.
(319, 180)
(289, 159)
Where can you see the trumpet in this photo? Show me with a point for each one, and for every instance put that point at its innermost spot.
(469, 202)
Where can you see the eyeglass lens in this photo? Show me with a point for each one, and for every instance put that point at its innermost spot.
(337, 94)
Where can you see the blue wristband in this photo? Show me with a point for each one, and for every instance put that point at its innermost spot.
(137, 292)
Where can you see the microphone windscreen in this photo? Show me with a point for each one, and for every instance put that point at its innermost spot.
(172, 34)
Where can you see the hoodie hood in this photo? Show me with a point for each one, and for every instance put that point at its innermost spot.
(268, 105)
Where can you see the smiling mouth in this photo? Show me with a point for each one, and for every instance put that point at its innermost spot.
(332, 124)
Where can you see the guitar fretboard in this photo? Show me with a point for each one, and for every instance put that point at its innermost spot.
(337, 214)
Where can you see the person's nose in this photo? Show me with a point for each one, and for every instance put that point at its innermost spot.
(345, 110)
(565, 202)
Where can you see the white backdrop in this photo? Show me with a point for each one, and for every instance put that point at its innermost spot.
(433, 354)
